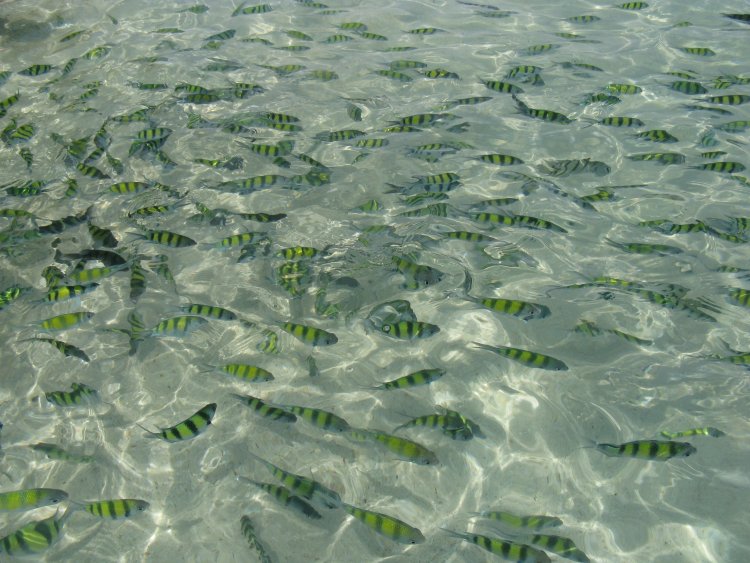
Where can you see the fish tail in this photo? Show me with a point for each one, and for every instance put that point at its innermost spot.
(150, 434)
(455, 534)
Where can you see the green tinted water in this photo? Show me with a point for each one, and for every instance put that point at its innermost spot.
(538, 423)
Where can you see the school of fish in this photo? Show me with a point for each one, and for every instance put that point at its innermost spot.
(115, 207)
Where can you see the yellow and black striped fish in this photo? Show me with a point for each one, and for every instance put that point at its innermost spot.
(116, 508)
(526, 357)
(656, 450)
(27, 499)
(189, 428)
(388, 526)
(512, 551)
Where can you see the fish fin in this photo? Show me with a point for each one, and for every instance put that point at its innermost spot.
(150, 434)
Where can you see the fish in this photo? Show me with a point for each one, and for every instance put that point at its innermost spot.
(66, 349)
(526, 357)
(409, 330)
(266, 410)
(558, 545)
(688, 87)
(80, 394)
(454, 425)
(178, 326)
(534, 522)
(406, 450)
(28, 499)
(421, 377)
(561, 168)
(211, 311)
(524, 310)
(309, 335)
(297, 252)
(116, 508)
(417, 275)
(63, 292)
(35, 537)
(285, 497)
(36, 70)
(512, 551)
(500, 159)
(93, 275)
(53, 451)
(388, 526)
(317, 417)
(191, 427)
(543, 114)
(659, 157)
(248, 530)
(657, 136)
(740, 296)
(656, 450)
(302, 486)
(247, 372)
(394, 75)
(704, 431)
(590, 328)
(168, 238)
(645, 248)
(512, 220)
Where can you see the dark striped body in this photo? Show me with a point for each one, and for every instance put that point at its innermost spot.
(80, 394)
(534, 522)
(265, 410)
(410, 330)
(526, 357)
(303, 486)
(178, 326)
(247, 372)
(705, 431)
(66, 349)
(559, 545)
(657, 450)
(34, 537)
(211, 311)
(522, 309)
(248, 530)
(190, 427)
(508, 550)
(65, 321)
(286, 498)
(385, 525)
(421, 377)
(310, 335)
(318, 417)
(117, 508)
(170, 239)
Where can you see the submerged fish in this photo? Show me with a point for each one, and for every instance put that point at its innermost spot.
(115, 509)
(526, 357)
(35, 537)
(284, 497)
(302, 486)
(405, 449)
(657, 450)
(533, 522)
(28, 499)
(189, 428)
(388, 526)
(705, 431)
(509, 550)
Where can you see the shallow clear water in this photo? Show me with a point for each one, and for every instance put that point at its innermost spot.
(539, 424)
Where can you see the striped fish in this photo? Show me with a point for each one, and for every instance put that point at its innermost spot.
(189, 428)
(388, 526)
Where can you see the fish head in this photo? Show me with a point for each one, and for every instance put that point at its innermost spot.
(686, 450)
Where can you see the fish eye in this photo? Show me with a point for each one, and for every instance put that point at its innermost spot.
(385, 328)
